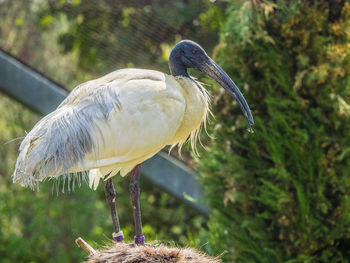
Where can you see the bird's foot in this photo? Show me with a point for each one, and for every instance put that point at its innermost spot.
(118, 237)
(140, 240)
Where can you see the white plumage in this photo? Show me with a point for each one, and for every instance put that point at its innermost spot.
(111, 124)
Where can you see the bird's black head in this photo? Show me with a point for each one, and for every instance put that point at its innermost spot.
(188, 54)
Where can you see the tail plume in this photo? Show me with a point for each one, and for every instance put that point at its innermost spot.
(56, 144)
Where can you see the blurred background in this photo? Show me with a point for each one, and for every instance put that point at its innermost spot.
(278, 195)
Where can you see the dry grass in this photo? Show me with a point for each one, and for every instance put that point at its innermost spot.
(131, 253)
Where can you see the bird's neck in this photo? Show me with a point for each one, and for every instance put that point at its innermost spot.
(176, 66)
(197, 108)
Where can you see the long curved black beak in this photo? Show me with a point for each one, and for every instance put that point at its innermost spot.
(216, 72)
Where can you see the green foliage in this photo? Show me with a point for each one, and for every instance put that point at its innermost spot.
(282, 193)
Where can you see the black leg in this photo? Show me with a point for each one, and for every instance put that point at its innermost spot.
(110, 197)
(134, 194)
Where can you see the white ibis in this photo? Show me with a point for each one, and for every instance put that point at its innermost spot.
(112, 124)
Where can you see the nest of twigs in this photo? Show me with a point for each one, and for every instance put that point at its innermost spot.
(131, 253)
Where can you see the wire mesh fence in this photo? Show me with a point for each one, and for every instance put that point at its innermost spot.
(72, 41)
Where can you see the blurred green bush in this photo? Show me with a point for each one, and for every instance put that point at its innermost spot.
(282, 193)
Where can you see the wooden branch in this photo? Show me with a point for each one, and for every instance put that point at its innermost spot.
(87, 248)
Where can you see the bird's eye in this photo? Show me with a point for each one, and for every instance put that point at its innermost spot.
(194, 51)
